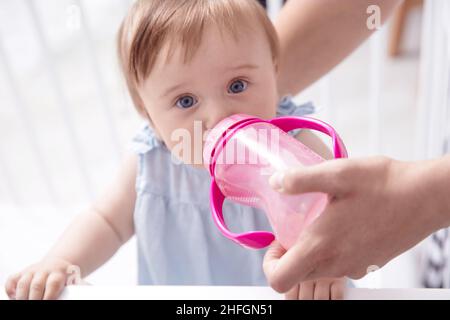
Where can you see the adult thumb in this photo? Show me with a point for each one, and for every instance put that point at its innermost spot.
(325, 177)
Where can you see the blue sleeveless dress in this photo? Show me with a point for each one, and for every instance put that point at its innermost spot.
(177, 240)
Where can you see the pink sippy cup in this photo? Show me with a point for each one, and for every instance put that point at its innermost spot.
(241, 152)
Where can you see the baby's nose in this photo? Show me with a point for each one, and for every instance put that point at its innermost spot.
(214, 117)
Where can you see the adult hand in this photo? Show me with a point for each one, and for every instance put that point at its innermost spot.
(378, 208)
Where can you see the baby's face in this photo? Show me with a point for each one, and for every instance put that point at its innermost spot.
(224, 77)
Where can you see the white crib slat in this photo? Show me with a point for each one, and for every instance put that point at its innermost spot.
(29, 128)
(446, 147)
(273, 8)
(423, 114)
(435, 68)
(61, 100)
(99, 79)
(330, 112)
(375, 74)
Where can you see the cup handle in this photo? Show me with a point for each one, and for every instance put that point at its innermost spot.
(290, 123)
(252, 239)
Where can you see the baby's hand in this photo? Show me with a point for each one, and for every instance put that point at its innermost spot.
(322, 289)
(44, 280)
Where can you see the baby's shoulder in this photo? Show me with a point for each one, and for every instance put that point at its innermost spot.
(145, 140)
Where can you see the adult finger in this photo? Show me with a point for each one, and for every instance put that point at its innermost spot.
(293, 293)
(327, 177)
(284, 269)
(271, 258)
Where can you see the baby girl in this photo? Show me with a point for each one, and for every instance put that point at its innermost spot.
(184, 62)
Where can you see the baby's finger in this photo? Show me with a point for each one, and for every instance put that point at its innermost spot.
(55, 284)
(23, 286)
(37, 286)
(11, 284)
(322, 290)
(337, 290)
(306, 291)
(293, 293)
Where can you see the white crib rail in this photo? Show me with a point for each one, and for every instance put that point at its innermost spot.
(230, 293)
(434, 90)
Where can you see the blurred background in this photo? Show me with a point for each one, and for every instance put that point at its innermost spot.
(66, 118)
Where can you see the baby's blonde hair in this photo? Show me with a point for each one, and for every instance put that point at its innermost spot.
(151, 24)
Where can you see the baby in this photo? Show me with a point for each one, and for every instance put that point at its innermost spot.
(185, 62)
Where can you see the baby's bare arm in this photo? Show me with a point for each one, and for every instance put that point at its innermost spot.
(88, 242)
(315, 36)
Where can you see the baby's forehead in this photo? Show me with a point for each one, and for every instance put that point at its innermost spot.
(219, 51)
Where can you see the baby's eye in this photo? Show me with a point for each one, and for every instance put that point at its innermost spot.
(237, 86)
(186, 102)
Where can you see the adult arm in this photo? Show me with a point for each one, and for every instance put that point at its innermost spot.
(316, 35)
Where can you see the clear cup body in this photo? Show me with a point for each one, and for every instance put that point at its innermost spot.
(242, 170)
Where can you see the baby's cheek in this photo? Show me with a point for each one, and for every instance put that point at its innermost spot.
(266, 105)
(268, 110)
